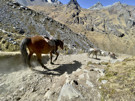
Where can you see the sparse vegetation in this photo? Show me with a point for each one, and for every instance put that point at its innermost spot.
(10, 41)
(120, 83)
(104, 63)
(89, 63)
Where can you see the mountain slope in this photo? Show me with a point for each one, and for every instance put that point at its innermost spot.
(102, 26)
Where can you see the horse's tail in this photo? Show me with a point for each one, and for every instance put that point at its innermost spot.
(23, 49)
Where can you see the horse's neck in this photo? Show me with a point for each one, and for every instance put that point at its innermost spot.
(52, 43)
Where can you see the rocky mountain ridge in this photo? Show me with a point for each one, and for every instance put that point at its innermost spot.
(37, 2)
(99, 5)
(73, 3)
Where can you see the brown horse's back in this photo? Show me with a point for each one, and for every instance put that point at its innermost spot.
(39, 45)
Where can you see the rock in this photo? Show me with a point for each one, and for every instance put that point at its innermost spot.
(76, 20)
(10, 39)
(21, 31)
(17, 98)
(9, 35)
(104, 81)
(14, 43)
(48, 94)
(69, 92)
(89, 83)
(1, 37)
(75, 82)
(3, 41)
(16, 3)
(73, 15)
(100, 71)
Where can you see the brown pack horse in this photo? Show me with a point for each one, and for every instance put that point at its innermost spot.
(38, 45)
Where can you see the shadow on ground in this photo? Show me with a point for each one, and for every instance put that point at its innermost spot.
(69, 68)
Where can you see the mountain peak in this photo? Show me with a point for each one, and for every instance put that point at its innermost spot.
(73, 2)
(117, 3)
(98, 5)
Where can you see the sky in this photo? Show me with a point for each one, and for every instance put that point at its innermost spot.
(89, 3)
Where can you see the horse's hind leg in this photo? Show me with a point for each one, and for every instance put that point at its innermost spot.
(90, 53)
(93, 53)
(40, 61)
(29, 57)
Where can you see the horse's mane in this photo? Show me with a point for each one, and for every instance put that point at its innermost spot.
(58, 42)
(47, 37)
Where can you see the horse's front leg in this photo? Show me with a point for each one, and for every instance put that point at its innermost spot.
(96, 56)
(51, 58)
(57, 54)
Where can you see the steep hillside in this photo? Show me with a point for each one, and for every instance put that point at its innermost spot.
(110, 28)
(26, 22)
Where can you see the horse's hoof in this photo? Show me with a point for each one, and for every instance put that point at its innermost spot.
(47, 69)
(54, 60)
(52, 63)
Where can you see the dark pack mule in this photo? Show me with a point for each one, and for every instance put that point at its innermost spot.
(39, 45)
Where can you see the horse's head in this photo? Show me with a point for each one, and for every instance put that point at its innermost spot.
(59, 43)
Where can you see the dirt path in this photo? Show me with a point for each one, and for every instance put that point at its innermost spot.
(71, 78)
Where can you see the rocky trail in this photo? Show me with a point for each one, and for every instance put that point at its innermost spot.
(72, 78)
